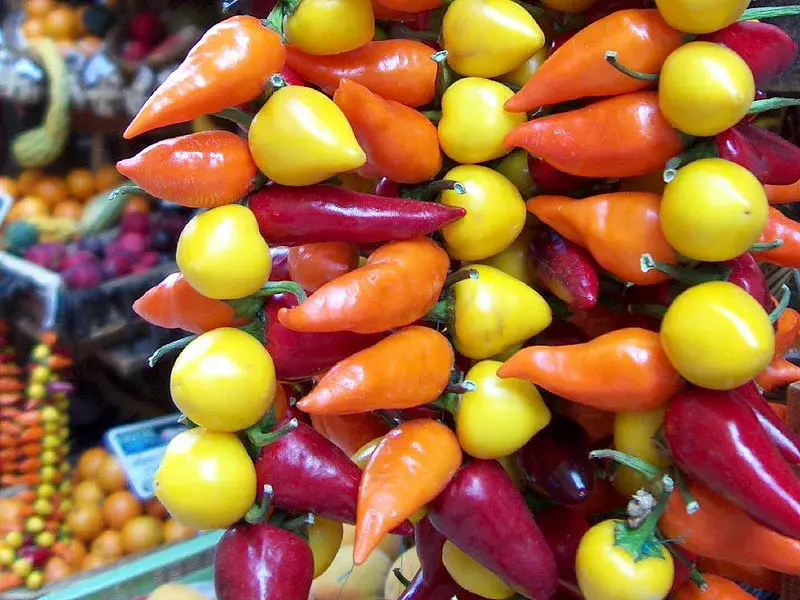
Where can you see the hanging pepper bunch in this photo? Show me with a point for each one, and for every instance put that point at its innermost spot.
(403, 322)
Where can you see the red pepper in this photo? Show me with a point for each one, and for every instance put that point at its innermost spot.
(324, 213)
(767, 49)
(714, 438)
(772, 159)
(313, 265)
(563, 529)
(746, 273)
(564, 268)
(782, 436)
(550, 180)
(781, 227)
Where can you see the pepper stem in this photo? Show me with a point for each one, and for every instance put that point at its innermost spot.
(427, 190)
(760, 106)
(652, 310)
(447, 402)
(694, 574)
(298, 523)
(454, 278)
(462, 387)
(167, 348)
(611, 58)
(770, 12)
(692, 505)
(258, 512)
(764, 246)
(236, 115)
(641, 542)
(786, 295)
(704, 149)
(637, 464)
(685, 275)
(401, 578)
(259, 439)
(445, 76)
(434, 116)
(273, 288)
(126, 190)
(440, 312)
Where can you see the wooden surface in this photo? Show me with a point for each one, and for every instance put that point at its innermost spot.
(790, 585)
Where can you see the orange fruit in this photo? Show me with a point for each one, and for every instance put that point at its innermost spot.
(59, 23)
(111, 476)
(137, 204)
(175, 531)
(93, 561)
(70, 209)
(108, 545)
(27, 208)
(56, 569)
(86, 522)
(80, 183)
(50, 189)
(38, 8)
(33, 28)
(71, 550)
(106, 177)
(154, 508)
(119, 508)
(88, 492)
(89, 463)
(9, 186)
(27, 179)
(140, 534)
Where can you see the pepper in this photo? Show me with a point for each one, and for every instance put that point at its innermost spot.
(563, 529)
(772, 159)
(783, 194)
(199, 170)
(603, 8)
(398, 70)
(780, 372)
(313, 265)
(407, 369)
(564, 268)
(721, 530)
(784, 439)
(399, 284)
(767, 49)
(623, 136)
(324, 213)
(787, 330)
(299, 356)
(742, 464)
(399, 142)
(752, 575)
(717, 588)
(555, 462)
(616, 228)
(550, 180)
(485, 516)
(635, 372)
(230, 65)
(746, 273)
(410, 467)
(578, 69)
(781, 227)
(350, 432)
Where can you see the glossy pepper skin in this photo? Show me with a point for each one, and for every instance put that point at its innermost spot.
(635, 372)
(550, 180)
(298, 356)
(742, 464)
(262, 561)
(616, 229)
(783, 438)
(746, 273)
(324, 213)
(767, 49)
(772, 159)
(603, 8)
(399, 142)
(564, 268)
(781, 227)
(313, 265)
(563, 529)
(398, 285)
(623, 136)
(199, 170)
(556, 462)
(203, 84)
(578, 68)
(482, 513)
(398, 70)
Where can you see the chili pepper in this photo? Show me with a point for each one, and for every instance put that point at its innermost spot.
(409, 368)
(399, 284)
(616, 228)
(398, 70)
(783, 194)
(9, 581)
(742, 464)
(199, 170)
(579, 142)
(564, 268)
(230, 65)
(31, 434)
(482, 513)
(559, 333)
(717, 588)
(779, 373)
(400, 143)
(781, 227)
(636, 373)
(323, 213)
(746, 273)
(752, 575)
(262, 561)
(174, 304)
(787, 330)
(555, 462)
(350, 432)
(640, 38)
(550, 180)
(772, 159)
(684, 563)
(601, 9)
(410, 467)
(563, 529)
(766, 48)
(784, 439)
(313, 265)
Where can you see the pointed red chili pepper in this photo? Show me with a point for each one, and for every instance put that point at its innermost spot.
(550, 180)
(746, 273)
(772, 159)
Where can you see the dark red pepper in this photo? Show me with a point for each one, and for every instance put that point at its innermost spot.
(36, 555)
(324, 213)
(714, 438)
(280, 263)
(555, 462)
(564, 268)
(482, 513)
(784, 439)
(290, 76)
(550, 180)
(768, 50)
(559, 333)
(559, 41)
(684, 562)
(603, 8)
(264, 562)
(563, 529)
(746, 273)
(387, 188)
(772, 159)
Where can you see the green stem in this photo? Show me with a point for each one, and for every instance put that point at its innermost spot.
(273, 288)
(704, 149)
(461, 387)
(126, 190)
(299, 523)
(641, 542)
(637, 464)
(426, 191)
(274, 83)
(692, 505)
(434, 116)
(445, 76)
(786, 296)
(694, 574)
(764, 246)
(167, 348)
(652, 310)
(401, 578)
(461, 275)
(611, 58)
(236, 115)
(685, 275)
(760, 106)
(275, 19)
(448, 402)
(258, 512)
(440, 312)
(770, 12)
(260, 439)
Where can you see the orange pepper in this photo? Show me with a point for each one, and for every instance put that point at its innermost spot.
(758, 577)
(313, 265)
(29, 419)
(229, 66)
(616, 229)
(781, 227)
(718, 588)
(622, 371)
(787, 330)
(783, 194)
(398, 285)
(9, 581)
(599, 424)
(410, 467)
(350, 432)
(31, 434)
(780, 410)
(778, 373)
(407, 369)
(400, 143)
